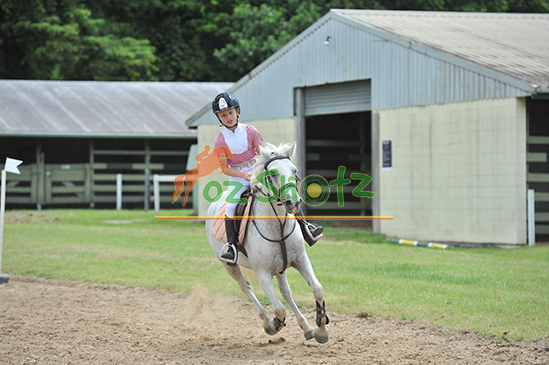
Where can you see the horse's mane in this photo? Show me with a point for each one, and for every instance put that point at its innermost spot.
(269, 150)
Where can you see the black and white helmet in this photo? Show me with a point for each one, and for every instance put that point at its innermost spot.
(225, 101)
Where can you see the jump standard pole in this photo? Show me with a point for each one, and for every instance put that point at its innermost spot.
(10, 166)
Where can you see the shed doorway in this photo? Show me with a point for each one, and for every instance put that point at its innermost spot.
(538, 164)
(336, 140)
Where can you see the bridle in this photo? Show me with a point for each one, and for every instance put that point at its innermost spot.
(283, 237)
(282, 188)
(274, 158)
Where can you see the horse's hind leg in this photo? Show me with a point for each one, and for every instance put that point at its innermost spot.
(284, 287)
(246, 287)
(179, 183)
(190, 184)
(306, 270)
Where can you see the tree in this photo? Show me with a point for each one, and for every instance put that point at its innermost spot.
(55, 41)
(528, 6)
(173, 40)
(253, 33)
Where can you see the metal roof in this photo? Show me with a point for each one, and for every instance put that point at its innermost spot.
(412, 58)
(102, 109)
(512, 44)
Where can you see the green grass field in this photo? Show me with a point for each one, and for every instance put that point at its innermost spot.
(493, 292)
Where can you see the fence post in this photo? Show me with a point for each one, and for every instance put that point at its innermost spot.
(118, 191)
(147, 176)
(531, 217)
(156, 192)
(157, 179)
(3, 278)
(10, 166)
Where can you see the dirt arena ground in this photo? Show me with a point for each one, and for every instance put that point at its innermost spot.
(57, 322)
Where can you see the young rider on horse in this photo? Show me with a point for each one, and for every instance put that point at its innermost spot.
(243, 141)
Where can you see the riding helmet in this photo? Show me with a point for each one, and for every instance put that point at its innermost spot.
(225, 101)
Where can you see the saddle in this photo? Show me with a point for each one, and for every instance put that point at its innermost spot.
(242, 210)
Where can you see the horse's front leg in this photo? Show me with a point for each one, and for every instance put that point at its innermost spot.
(306, 270)
(245, 286)
(284, 287)
(272, 327)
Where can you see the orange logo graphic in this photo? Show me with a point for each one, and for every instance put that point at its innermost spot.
(207, 163)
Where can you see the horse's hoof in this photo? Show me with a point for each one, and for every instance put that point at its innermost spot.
(309, 335)
(275, 326)
(321, 337)
(270, 330)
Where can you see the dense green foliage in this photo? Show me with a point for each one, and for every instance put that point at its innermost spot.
(490, 291)
(173, 40)
(62, 40)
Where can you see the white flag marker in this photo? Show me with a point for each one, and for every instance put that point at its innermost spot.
(11, 165)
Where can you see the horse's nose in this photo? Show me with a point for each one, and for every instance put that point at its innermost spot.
(292, 207)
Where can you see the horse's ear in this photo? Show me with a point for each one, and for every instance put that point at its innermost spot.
(289, 151)
(264, 152)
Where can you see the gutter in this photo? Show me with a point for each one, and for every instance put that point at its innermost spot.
(540, 93)
(44, 134)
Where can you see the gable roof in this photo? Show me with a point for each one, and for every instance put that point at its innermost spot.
(512, 44)
(450, 57)
(102, 109)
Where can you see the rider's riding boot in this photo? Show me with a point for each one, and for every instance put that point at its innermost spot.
(310, 232)
(231, 254)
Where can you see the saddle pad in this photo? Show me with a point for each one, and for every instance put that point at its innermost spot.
(218, 228)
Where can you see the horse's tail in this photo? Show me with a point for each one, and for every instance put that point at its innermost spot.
(179, 183)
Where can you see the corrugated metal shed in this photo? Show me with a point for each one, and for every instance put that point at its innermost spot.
(411, 58)
(102, 109)
(515, 45)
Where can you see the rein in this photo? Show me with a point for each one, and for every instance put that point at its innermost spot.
(283, 238)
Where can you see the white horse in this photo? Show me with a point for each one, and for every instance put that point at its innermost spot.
(265, 252)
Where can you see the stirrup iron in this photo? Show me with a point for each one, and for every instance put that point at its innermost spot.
(310, 233)
(229, 246)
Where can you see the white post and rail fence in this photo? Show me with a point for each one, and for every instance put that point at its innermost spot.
(156, 180)
(157, 189)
